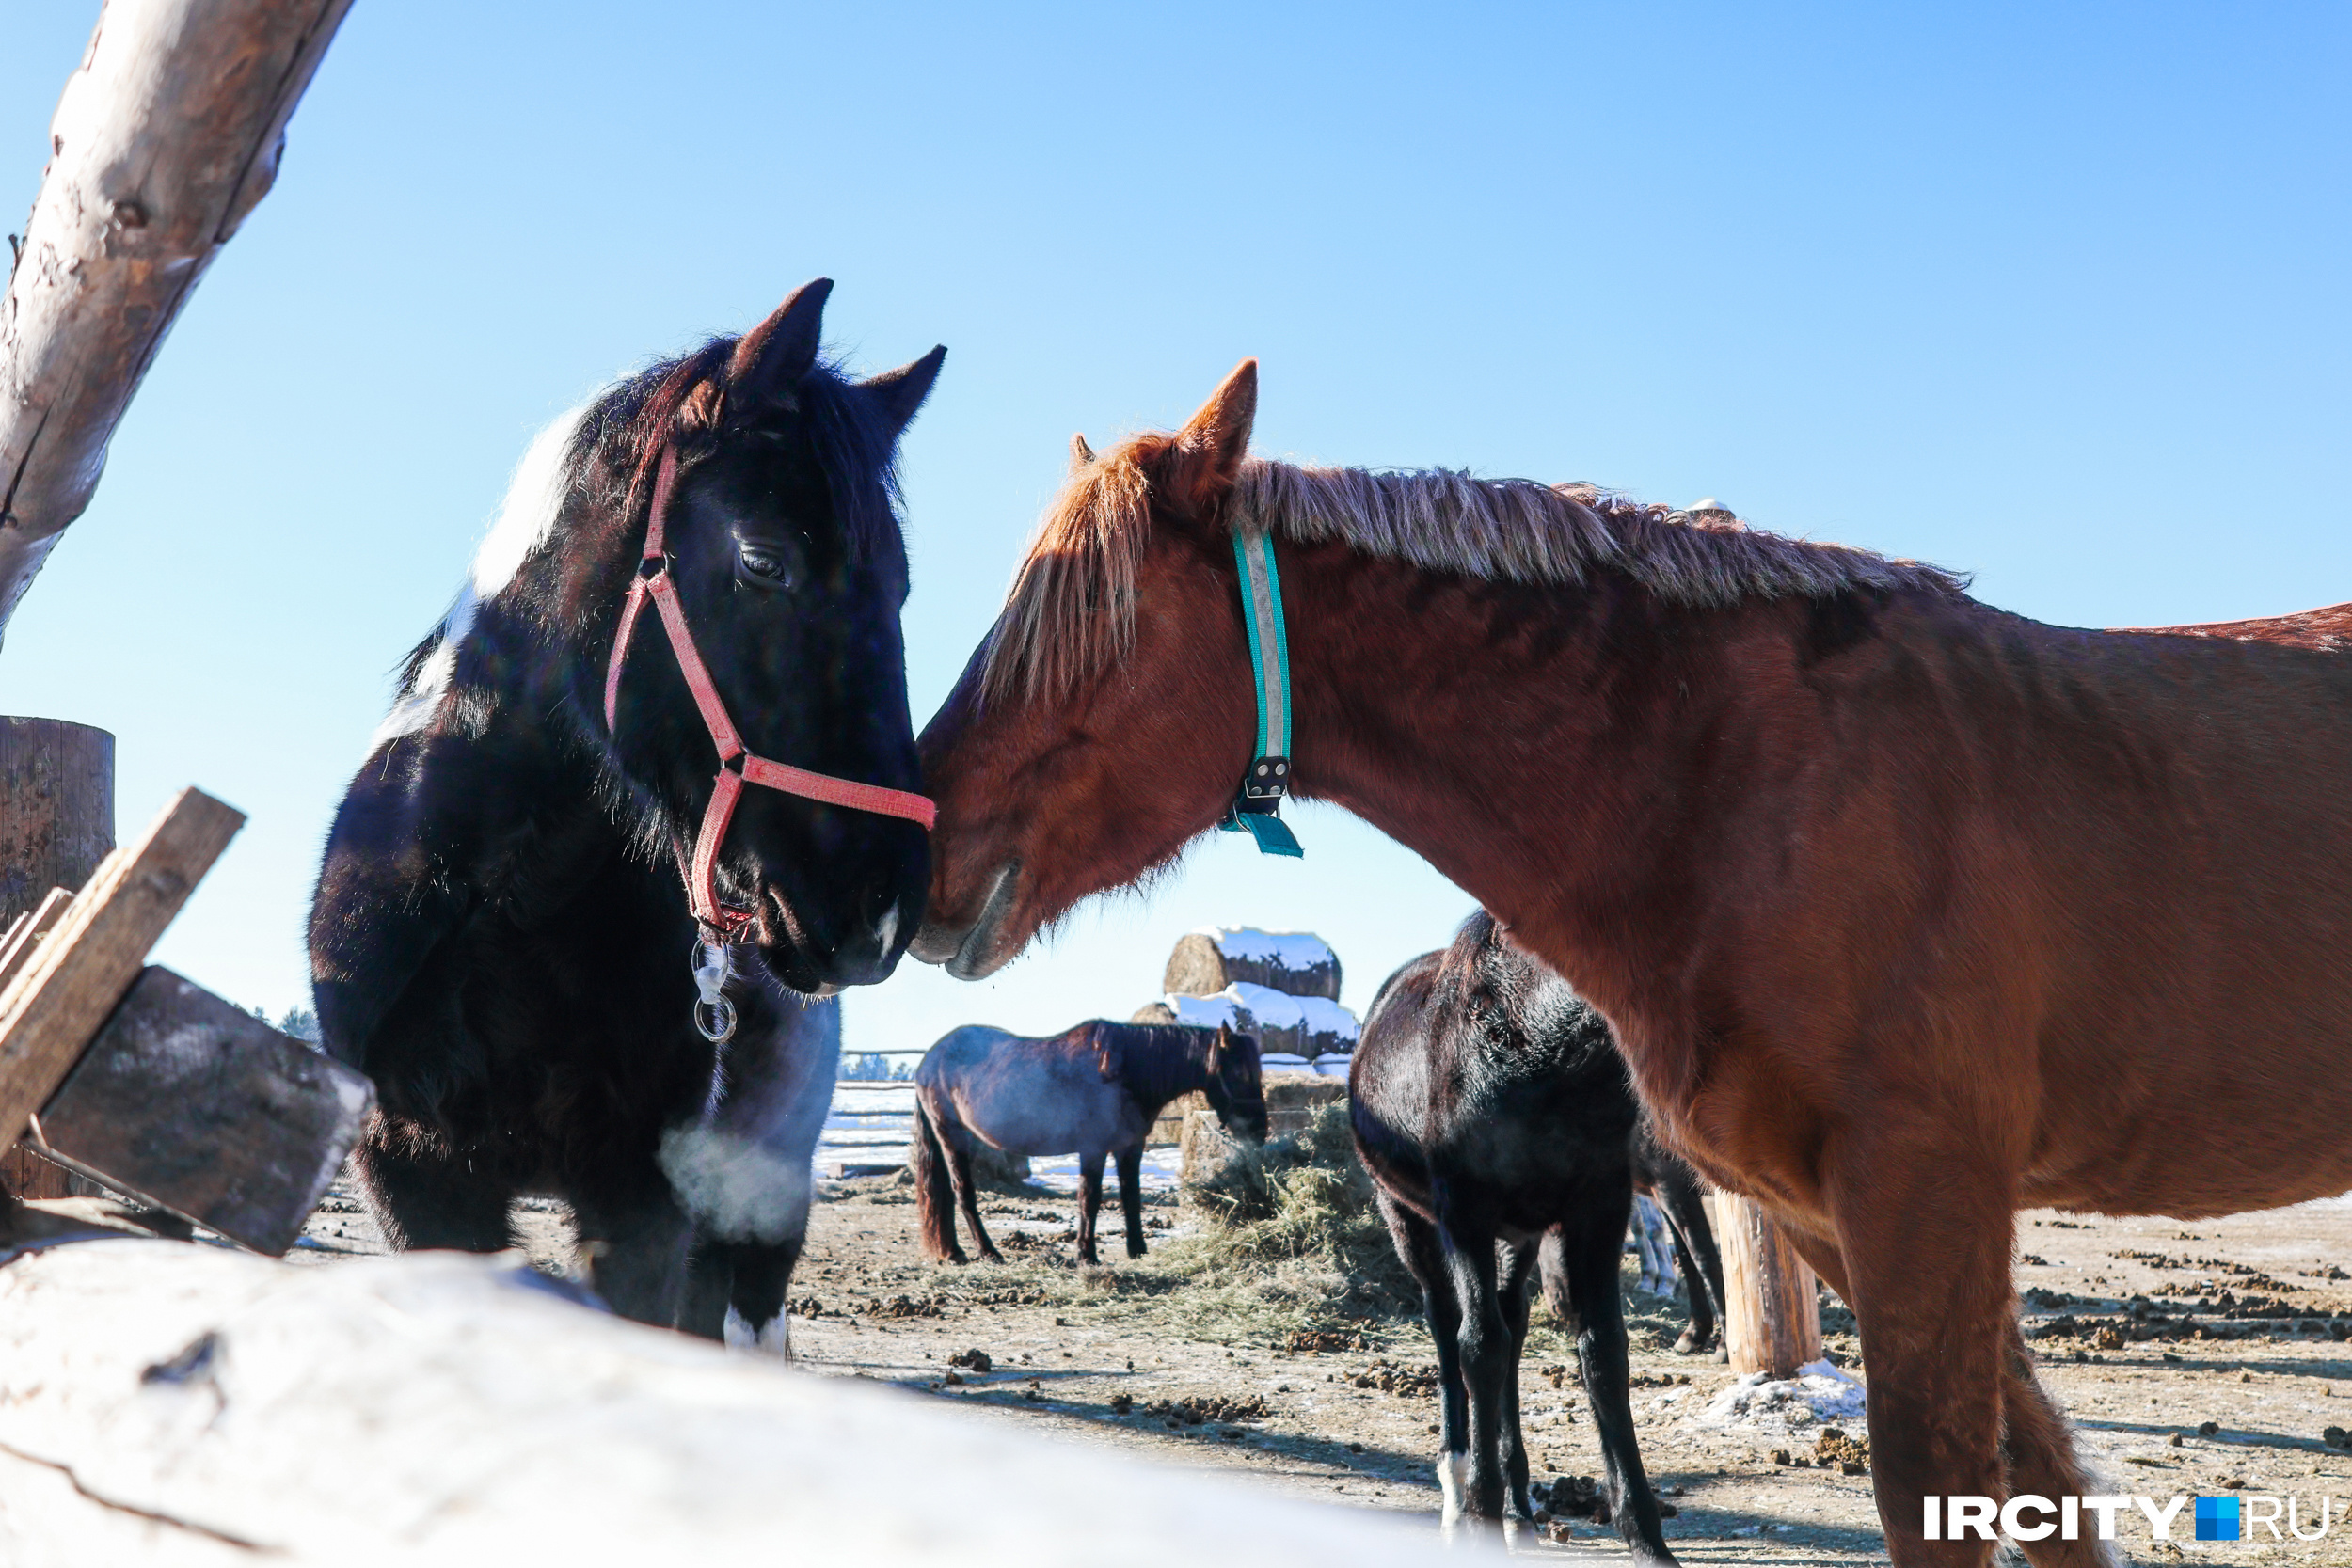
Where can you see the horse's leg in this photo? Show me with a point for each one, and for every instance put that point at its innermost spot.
(968, 1198)
(424, 1196)
(1584, 1271)
(1518, 1262)
(1924, 1232)
(759, 1307)
(636, 1249)
(1089, 1203)
(2038, 1446)
(710, 1281)
(1417, 1247)
(1131, 1196)
(1469, 1264)
(1685, 1208)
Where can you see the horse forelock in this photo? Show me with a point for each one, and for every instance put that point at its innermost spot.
(1071, 610)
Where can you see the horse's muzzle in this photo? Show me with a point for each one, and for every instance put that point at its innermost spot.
(975, 952)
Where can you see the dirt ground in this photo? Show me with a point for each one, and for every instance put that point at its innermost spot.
(2195, 1358)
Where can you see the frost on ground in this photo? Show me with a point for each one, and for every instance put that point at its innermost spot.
(1820, 1392)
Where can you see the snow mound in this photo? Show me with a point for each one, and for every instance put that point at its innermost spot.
(1818, 1393)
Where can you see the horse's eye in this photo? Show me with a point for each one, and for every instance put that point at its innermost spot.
(765, 565)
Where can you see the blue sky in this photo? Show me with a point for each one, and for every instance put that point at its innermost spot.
(2055, 294)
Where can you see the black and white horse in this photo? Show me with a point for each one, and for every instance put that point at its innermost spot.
(1497, 1121)
(1094, 1091)
(505, 930)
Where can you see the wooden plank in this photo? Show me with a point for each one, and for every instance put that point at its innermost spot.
(1773, 1321)
(199, 1107)
(29, 929)
(163, 140)
(57, 1001)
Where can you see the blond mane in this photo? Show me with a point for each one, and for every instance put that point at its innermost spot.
(1071, 608)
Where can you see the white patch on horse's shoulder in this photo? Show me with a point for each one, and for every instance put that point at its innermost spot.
(535, 498)
(772, 1337)
(414, 708)
(1454, 1481)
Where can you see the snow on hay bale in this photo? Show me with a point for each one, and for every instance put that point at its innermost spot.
(1297, 963)
(1301, 1028)
(167, 1403)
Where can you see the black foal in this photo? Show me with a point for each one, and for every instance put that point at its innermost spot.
(1495, 1116)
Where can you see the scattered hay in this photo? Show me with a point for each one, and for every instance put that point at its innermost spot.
(1292, 1223)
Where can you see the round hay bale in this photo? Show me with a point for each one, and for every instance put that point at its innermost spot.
(1296, 963)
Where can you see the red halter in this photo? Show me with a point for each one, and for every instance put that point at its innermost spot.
(735, 763)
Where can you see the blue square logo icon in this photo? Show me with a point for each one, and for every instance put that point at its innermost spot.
(2217, 1519)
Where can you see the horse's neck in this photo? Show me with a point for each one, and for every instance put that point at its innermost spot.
(512, 785)
(1541, 747)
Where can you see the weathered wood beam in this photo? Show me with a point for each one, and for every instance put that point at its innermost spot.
(198, 1108)
(63, 992)
(179, 1405)
(164, 139)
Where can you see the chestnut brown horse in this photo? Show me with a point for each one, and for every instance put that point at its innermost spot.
(1905, 912)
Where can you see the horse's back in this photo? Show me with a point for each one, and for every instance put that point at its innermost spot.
(1028, 1096)
(959, 1051)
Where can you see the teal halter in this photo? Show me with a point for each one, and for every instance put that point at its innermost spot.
(1268, 778)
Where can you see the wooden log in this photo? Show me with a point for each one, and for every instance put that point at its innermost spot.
(56, 1003)
(200, 1108)
(57, 808)
(1773, 1317)
(163, 140)
(169, 1403)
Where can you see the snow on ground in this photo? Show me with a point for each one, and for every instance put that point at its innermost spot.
(1820, 1393)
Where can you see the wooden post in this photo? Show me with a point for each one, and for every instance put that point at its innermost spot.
(57, 808)
(56, 823)
(163, 140)
(1773, 1314)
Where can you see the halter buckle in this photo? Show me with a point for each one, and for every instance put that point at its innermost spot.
(1268, 778)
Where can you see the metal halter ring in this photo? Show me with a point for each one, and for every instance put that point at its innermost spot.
(716, 1020)
(714, 1014)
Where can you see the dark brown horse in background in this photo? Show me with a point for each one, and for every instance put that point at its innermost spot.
(1494, 1114)
(1094, 1091)
(1906, 912)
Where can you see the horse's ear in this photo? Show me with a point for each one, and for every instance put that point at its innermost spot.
(1219, 1047)
(901, 391)
(1205, 458)
(1108, 1058)
(774, 354)
(699, 412)
(1081, 455)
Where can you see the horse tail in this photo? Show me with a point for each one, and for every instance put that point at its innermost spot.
(934, 1192)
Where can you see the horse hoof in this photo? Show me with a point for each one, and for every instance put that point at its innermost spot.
(1688, 1344)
